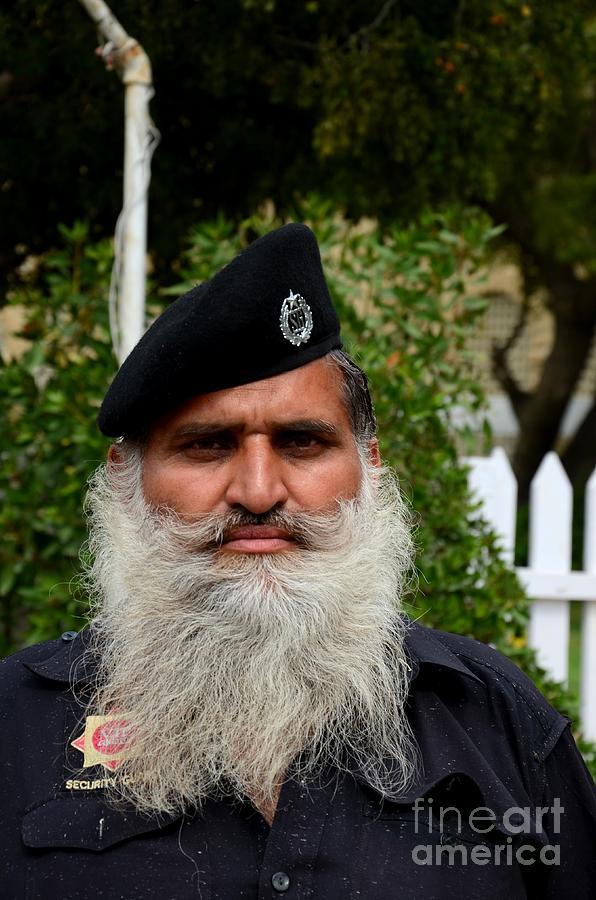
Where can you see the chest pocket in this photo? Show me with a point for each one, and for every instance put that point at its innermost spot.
(81, 823)
(445, 809)
(430, 849)
(86, 847)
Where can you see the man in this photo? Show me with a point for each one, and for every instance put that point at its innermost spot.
(249, 713)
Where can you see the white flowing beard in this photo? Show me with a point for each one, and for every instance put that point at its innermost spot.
(236, 669)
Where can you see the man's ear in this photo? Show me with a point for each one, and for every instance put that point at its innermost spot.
(374, 454)
(114, 456)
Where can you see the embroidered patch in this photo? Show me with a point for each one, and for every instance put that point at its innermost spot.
(106, 741)
(295, 319)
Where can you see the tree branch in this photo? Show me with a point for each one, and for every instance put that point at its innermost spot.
(578, 463)
(572, 300)
(573, 305)
(500, 364)
(365, 30)
(505, 377)
(458, 17)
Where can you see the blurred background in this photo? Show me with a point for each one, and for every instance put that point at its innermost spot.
(444, 151)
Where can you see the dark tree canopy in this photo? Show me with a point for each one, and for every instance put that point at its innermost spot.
(383, 108)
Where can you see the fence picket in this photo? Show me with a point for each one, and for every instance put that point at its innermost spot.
(588, 625)
(492, 480)
(551, 500)
(548, 578)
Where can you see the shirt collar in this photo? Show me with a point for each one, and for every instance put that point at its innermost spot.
(73, 663)
(70, 663)
(426, 648)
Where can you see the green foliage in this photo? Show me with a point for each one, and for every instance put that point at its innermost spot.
(404, 296)
(385, 107)
(49, 399)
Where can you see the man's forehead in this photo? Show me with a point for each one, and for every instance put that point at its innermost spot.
(309, 397)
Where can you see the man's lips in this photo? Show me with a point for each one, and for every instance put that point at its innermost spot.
(257, 539)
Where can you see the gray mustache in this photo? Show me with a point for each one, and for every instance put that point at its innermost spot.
(208, 532)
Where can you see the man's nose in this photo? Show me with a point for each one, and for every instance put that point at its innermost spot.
(257, 478)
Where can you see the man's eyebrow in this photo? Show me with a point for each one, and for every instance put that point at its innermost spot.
(200, 428)
(316, 426)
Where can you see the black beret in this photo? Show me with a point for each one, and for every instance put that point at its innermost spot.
(266, 312)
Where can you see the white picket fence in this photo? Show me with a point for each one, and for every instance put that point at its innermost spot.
(548, 578)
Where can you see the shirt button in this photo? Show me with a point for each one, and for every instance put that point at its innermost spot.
(280, 882)
(69, 635)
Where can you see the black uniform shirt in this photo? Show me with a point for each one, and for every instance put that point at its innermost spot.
(487, 738)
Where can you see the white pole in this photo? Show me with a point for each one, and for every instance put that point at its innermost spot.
(140, 137)
(131, 300)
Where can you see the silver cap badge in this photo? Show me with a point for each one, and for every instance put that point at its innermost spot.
(295, 319)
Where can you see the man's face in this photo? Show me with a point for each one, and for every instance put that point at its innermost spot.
(257, 656)
(283, 443)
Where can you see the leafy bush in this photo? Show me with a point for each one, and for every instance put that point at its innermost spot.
(49, 399)
(404, 297)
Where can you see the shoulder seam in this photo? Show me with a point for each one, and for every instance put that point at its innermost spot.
(535, 712)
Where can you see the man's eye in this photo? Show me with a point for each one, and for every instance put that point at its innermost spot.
(208, 445)
(301, 442)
